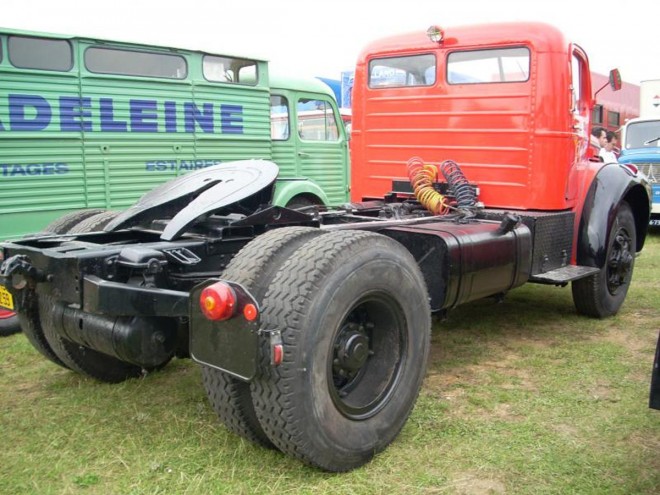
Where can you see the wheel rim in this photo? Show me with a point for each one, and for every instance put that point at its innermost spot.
(368, 356)
(620, 262)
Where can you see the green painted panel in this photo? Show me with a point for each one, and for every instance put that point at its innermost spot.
(78, 139)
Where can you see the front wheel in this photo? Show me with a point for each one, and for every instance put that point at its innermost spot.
(355, 320)
(602, 294)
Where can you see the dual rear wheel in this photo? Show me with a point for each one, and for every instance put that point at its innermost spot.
(354, 315)
(38, 319)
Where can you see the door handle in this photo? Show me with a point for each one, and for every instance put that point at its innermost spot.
(302, 154)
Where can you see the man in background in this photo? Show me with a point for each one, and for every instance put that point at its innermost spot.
(607, 152)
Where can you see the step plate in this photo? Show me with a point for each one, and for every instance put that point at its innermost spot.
(564, 274)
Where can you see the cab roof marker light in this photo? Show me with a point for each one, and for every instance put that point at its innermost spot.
(436, 34)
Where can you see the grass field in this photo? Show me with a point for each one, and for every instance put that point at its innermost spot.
(521, 397)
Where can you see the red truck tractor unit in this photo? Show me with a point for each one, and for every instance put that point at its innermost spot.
(471, 175)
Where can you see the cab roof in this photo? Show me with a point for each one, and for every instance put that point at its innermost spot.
(543, 37)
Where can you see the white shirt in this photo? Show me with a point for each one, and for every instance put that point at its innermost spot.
(607, 156)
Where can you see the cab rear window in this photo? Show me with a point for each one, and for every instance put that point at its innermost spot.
(413, 70)
(488, 66)
(230, 70)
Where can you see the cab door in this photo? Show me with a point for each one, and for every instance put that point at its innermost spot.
(321, 144)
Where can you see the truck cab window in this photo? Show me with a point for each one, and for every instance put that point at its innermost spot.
(279, 118)
(488, 66)
(101, 60)
(40, 53)
(416, 70)
(576, 82)
(316, 121)
(230, 70)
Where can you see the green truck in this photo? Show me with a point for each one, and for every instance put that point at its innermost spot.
(88, 123)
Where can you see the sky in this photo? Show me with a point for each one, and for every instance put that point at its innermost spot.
(324, 38)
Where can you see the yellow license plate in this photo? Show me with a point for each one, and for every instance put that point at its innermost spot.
(6, 301)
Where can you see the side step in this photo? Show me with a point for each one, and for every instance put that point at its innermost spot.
(564, 274)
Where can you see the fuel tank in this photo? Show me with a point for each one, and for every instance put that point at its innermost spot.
(463, 262)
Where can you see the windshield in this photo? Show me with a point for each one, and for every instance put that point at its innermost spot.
(643, 135)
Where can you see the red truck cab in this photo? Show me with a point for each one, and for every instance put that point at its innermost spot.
(510, 103)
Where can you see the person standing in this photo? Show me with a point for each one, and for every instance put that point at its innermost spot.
(606, 153)
(598, 138)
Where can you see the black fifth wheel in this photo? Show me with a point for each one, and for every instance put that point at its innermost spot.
(355, 319)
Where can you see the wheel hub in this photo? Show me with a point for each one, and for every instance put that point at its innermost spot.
(620, 263)
(352, 349)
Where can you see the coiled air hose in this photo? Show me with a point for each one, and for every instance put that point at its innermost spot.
(422, 176)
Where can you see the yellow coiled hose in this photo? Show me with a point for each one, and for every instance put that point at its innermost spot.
(422, 176)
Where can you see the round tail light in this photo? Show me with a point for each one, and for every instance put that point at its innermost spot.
(218, 301)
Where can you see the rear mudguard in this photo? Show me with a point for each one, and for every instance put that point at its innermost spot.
(200, 193)
(612, 184)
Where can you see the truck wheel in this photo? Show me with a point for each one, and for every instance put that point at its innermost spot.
(29, 317)
(603, 293)
(355, 319)
(94, 223)
(77, 357)
(65, 222)
(301, 202)
(253, 267)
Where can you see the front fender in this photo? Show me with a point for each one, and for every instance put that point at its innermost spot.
(287, 189)
(612, 184)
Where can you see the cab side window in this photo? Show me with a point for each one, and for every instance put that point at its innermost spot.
(40, 53)
(316, 120)
(576, 83)
(279, 118)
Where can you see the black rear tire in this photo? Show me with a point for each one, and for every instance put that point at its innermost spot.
(355, 319)
(602, 294)
(94, 223)
(77, 357)
(63, 224)
(9, 326)
(298, 202)
(253, 267)
(28, 318)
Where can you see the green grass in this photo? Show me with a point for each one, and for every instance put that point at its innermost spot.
(522, 397)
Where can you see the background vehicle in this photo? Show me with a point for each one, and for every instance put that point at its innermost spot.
(313, 327)
(613, 108)
(640, 141)
(88, 123)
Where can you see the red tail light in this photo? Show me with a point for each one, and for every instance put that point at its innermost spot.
(218, 301)
(250, 312)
